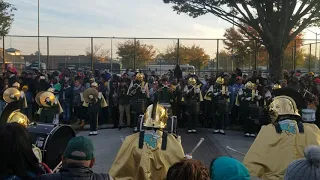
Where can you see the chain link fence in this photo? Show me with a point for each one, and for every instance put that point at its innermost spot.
(159, 55)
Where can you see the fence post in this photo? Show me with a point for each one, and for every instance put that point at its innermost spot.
(134, 55)
(295, 54)
(310, 57)
(3, 54)
(217, 56)
(255, 55)
(48, 52)
(111, 57)
(92, 53)
(178, 52)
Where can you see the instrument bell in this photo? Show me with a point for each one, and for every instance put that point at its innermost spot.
(38, 97)
(11, 95)
(90, 95)
(47, 99)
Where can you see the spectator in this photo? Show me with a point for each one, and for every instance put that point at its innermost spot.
(66, 96)
(188, 169)
(78, 109)
(177, 72)
(308, 168)
(227, 168)
(77, 161)
(124, 103)
(17, 158)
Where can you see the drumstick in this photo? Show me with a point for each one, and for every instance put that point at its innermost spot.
(57, 167)
(196, 147)
(235, 151)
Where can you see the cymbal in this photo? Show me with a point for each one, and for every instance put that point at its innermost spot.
(90, 91)
(11, 94)
(47, 99)
(38, 97)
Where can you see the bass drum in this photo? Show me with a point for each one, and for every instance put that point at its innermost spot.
(52, 140)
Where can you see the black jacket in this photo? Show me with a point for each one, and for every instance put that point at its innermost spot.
(74, 172)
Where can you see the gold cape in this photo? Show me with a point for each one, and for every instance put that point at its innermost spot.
(271, 153)
(132, 163)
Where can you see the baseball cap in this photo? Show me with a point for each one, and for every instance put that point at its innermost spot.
(79, 148)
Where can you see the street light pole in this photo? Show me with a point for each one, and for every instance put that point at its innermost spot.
(39, 35)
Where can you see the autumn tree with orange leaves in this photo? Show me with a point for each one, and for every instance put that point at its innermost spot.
(242, 49)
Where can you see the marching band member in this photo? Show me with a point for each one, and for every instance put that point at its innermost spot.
(284, 140)
(49, 107)
(165, 92)
(221, 98)
(139, 93)
(22, 99)
(249, 107)
(209, 101)
(192, 96)
(150, 153)
(93, 101)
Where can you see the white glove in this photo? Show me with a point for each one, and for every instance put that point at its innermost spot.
(22, 94)
(197, 91)
(143, 91)
(228, 93)
(256, 95)
(240, 92)
(100, 95)
(215, 94)
(259, 97)
(188, 156)
(248, 98)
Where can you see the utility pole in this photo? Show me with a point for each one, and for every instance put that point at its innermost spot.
(39, 35)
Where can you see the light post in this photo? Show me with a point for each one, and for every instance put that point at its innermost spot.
(249, 53)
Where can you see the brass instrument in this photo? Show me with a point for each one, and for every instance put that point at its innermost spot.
(38, 97)
(11, 95)
(136, 87)
(90, 95)
(47, 99)
(209, 94)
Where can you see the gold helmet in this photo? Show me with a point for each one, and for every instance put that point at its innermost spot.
(11, 95)
(140, 77)
(220, 80)
(276, 86)
(250, 85)
(192, 81)
(283, 105)
(18, 117)
(155, 117)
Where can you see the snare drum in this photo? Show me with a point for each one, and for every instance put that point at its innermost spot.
(52, 140)
(308, 115)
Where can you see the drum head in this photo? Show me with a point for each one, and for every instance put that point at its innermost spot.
(52, 140)
(57, 144)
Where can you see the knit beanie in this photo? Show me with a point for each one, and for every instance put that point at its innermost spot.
(306, 168)
(227, 168)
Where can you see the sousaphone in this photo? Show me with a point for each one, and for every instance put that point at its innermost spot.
(47, 99)
(38, 97)
(90, 95)
(11, 95)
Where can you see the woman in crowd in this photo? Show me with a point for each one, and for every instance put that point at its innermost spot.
(188, 169)
(18, 161)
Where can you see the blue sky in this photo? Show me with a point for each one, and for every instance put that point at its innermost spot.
(128, 18)
(107, 18)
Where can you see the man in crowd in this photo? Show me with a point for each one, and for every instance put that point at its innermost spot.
(77, 161)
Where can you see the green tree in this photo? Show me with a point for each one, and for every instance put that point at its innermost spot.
(6, 17)
(130, 50)
(193, 55)
(276, 21)
(237, 42)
